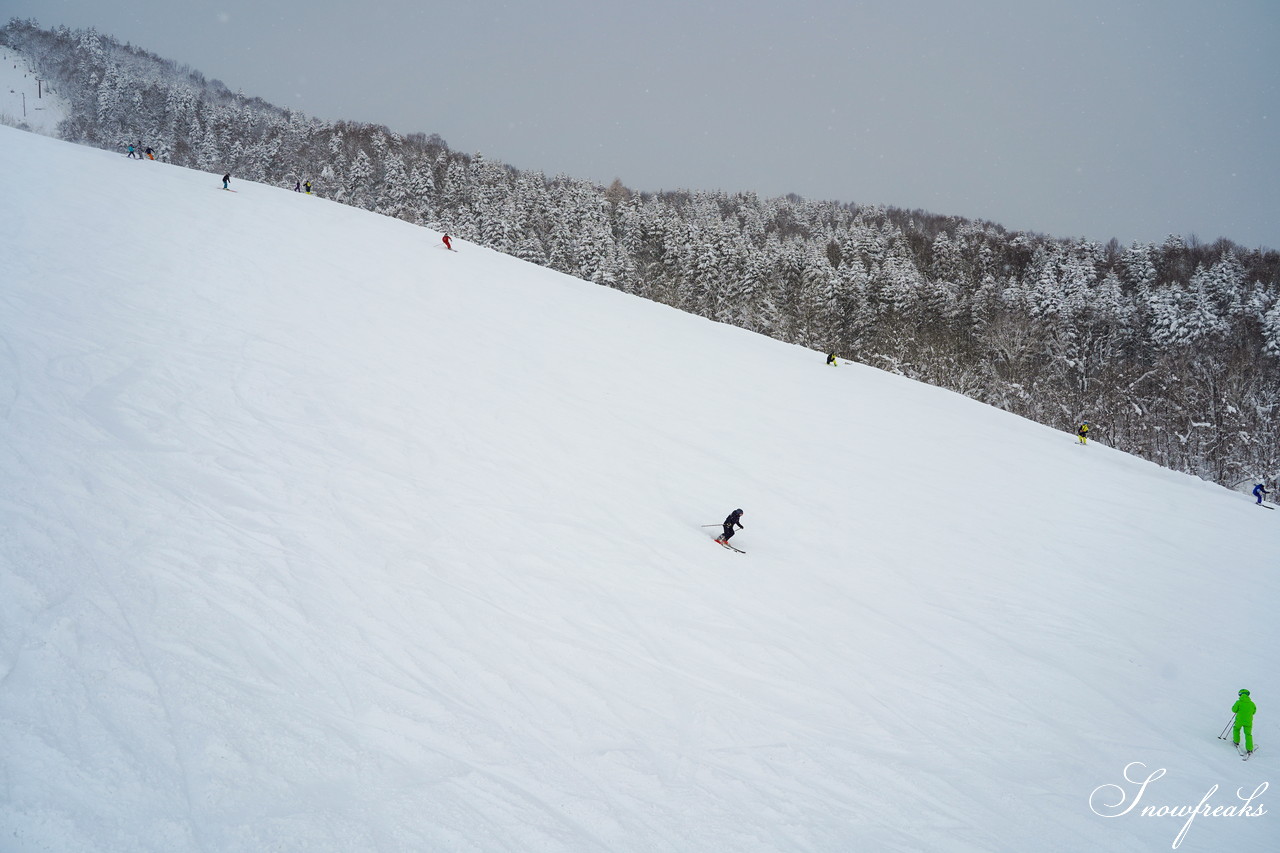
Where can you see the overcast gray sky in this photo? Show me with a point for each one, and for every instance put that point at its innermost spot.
(1084, 119)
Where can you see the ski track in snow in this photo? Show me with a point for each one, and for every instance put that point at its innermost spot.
(316, 539)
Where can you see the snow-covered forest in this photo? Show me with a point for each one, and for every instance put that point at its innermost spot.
(1171, 351)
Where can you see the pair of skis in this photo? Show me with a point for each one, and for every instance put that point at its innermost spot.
(727, 545)
(1240, 750)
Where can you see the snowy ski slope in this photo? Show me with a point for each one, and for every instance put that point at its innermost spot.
(317, 537)
(25, 99)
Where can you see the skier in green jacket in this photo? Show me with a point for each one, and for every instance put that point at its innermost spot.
(1244, 709)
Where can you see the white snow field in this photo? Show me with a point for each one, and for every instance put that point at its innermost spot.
(317, 537)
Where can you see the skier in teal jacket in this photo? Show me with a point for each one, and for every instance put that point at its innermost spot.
(1244, 709)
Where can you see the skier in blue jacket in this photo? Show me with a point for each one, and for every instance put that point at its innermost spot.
(1259, 491)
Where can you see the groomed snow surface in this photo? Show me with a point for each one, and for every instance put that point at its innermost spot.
(315, 536)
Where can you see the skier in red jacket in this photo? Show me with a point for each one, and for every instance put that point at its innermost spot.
(447, 244)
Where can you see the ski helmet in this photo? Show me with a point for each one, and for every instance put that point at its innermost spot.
(1244, 692)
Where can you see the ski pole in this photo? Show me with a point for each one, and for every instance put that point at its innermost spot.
(713, 525)
(1223, 736)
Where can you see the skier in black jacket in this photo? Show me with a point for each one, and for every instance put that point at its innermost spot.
(734, 518)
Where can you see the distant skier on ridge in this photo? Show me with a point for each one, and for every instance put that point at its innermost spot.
(734, 518)
(1259, 492)
(1083, 432)
(226, 181)
(831, 359)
